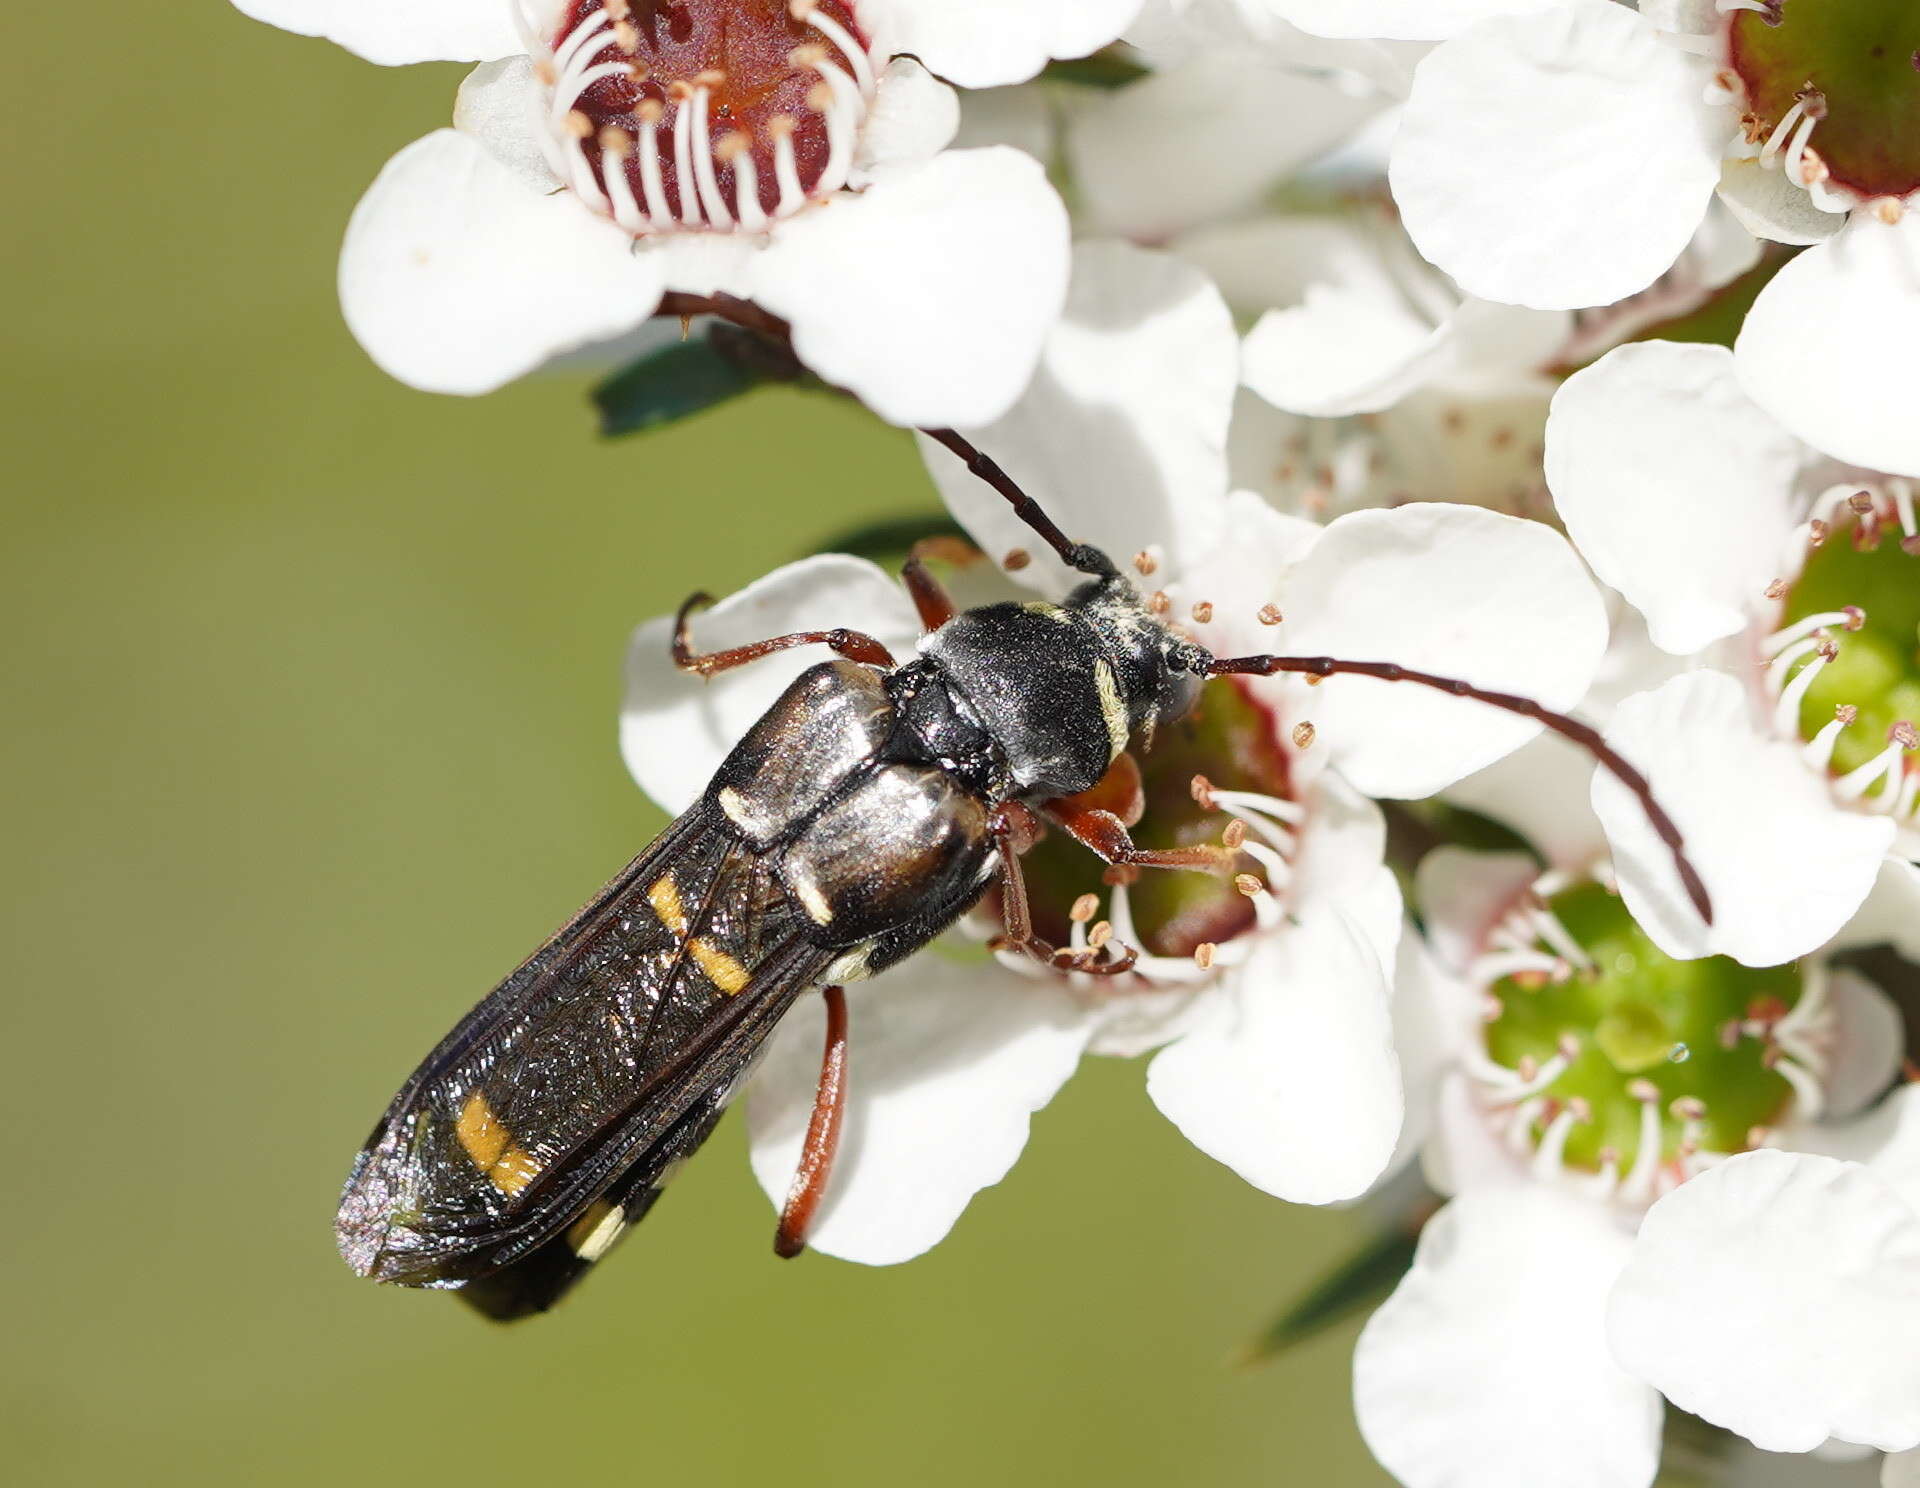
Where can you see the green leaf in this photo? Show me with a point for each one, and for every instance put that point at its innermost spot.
(1359, 1283)
(1110, 68)
(690, 377)
(887, 540)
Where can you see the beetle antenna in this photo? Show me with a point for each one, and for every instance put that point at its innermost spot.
(1582, 734)
(1082, 556)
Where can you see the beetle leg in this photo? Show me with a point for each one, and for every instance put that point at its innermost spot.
(1015, 829)
(810, 1178)
(851, 644)
(1105, 835)
(930, 596)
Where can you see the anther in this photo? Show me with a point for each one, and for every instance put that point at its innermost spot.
(1099, 935)
(1119, 875)
(1203, 954)
(1201, 789)
(1202, 612)
(1905, 735)
(1856, 617)
(1861, 502)
(1689, 1108)
(1159, 602)
(1145, 563)
(1084, 908)
(1302, 735)
(1247, 884)
(1777, 589)
(1889, 210)
(1845, 713)
(1016, 559)
(1643, 1090)
(712, 77)
(579, 125)
(1235, 834)
(1270, 615)
(1817, 531)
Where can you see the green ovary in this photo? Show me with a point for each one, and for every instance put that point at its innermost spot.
(1878, 667)
(1642, 1016)
(1859, 55)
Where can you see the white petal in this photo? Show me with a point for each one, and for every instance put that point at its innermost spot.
(1122, 435)
(1199, 142)
(1488, 1366)
(395, 31)
(1240, 574)
(1020, 116)
(1868, 1042)
(1826, 349)
(1541, 792)
(1901, 1470)
(1271, 260)
(1341, 350)
(676, 728)
(1886, 1140)
(705, 263)
(1460, 895)
(457, 278)
(914, 117)
(1293, 1083)
(1544, 789)
(1407, 20)
(499, 104)
(1783, 879)
(1684, 17)
(1674, 486)
(946, 1063)
(1779, 1296)
(1465, 1153)
(1891, 915)
(1432, 1018)
(1771, 206)
(985, 43)
(1341, 858)
(928, 294)
(1455, 590)
(1556, 160)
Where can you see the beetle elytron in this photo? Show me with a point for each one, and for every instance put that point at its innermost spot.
(871, 807)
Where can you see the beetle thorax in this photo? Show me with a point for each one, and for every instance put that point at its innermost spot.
(1061, 688)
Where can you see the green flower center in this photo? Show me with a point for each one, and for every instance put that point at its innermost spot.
(1635, 1036)
(1228, 740)
(1867, 569)
(1849, 67)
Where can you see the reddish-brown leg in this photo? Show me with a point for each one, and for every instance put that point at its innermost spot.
(930, 596)
(1105, 835)
(823, 1134)
(851, 644)
(1015, 829)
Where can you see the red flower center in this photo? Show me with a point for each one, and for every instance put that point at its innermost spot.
(719, 114)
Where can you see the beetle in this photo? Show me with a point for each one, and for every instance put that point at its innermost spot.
(868, 809)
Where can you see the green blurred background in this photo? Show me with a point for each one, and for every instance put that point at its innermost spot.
(312, 684)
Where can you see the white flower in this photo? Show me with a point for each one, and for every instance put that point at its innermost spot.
(1270, 1011)
(1790, 762)
(1563, 157)
(609, 154)
(1611, 1237)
